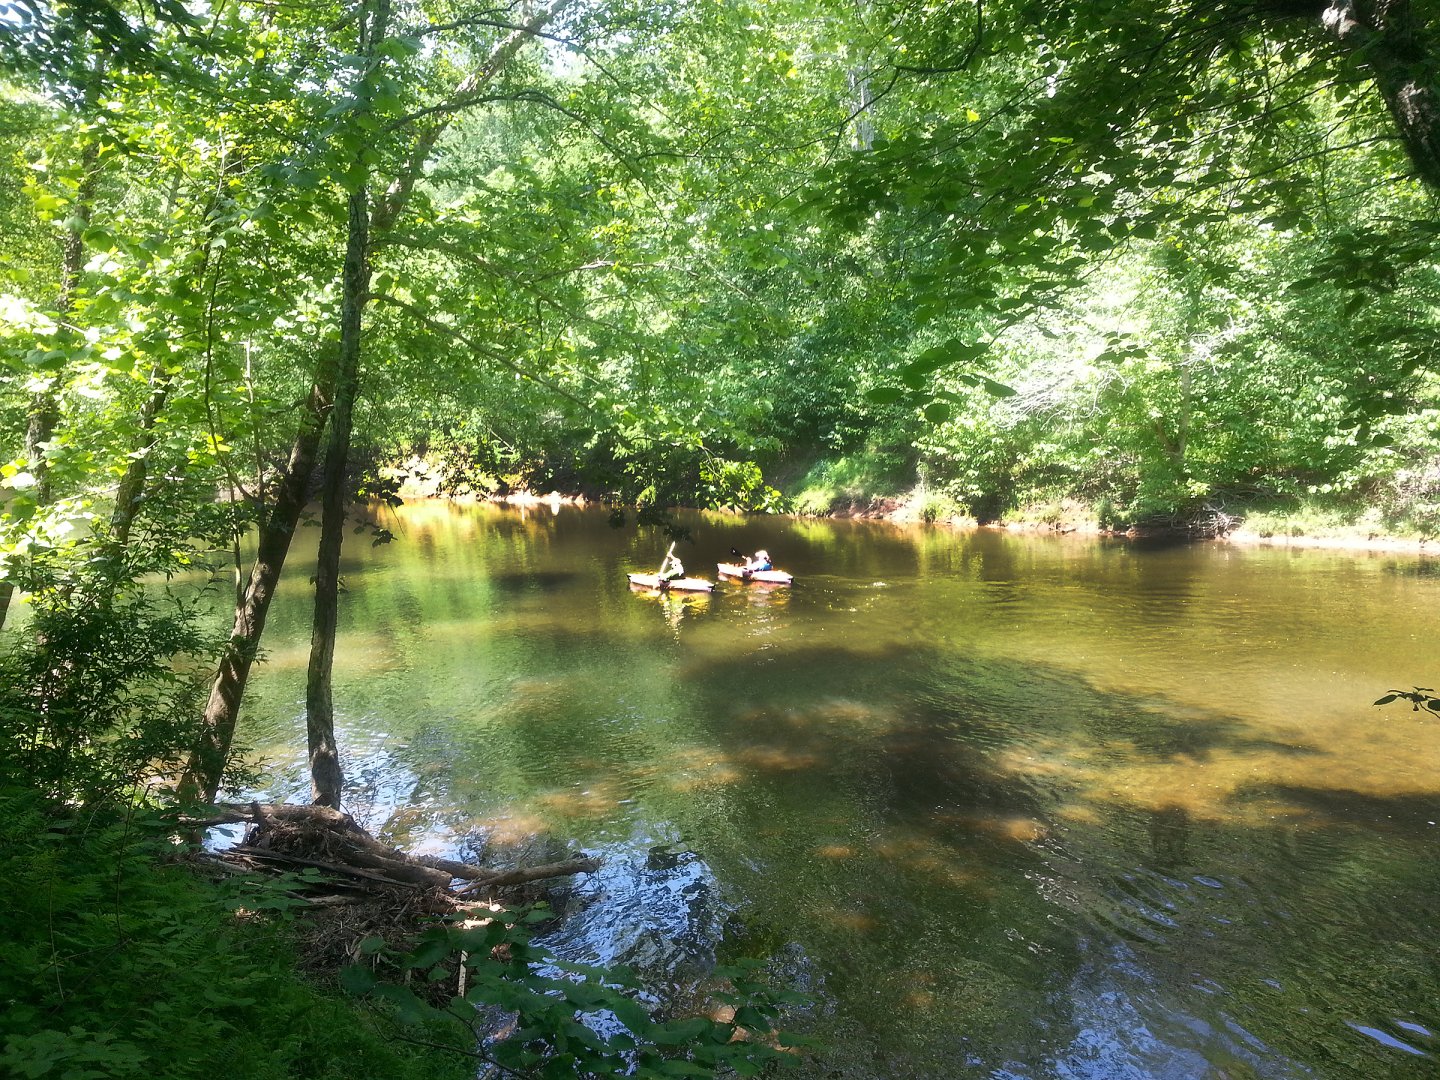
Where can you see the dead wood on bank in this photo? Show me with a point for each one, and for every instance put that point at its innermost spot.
(290, 836)
(363, 888)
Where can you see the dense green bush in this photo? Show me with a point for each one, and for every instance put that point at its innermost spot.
(91, 700)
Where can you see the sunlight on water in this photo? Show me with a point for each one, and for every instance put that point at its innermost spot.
(1009, 807)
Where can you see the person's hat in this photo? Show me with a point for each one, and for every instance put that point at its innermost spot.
(762, 554)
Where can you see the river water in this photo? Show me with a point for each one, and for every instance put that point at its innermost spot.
(1004, 806)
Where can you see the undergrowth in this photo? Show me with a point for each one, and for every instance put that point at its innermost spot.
(115, 961)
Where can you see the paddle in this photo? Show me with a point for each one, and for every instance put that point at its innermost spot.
(665, 561)
(744, 559)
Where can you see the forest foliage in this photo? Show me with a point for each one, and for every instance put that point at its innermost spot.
(1163, 260)
(730, 254)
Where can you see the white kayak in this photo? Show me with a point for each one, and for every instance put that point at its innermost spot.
(764, 577)
(684, 584)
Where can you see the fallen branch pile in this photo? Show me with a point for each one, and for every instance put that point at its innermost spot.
(363, 888)
(286, 837)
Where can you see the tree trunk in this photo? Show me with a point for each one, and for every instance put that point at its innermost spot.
(201, 779)
(207, 762)
(326, 778)
(1400, 50)
(132, 486)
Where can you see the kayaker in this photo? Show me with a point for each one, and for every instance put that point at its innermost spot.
(672, 570)
(759, 561)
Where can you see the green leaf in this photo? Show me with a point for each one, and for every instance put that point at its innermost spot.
(937, 412)
(885, 395)
(429, 953)
(788, 1040)
(675, 1067)
(399, 48)
(998, 389)
(679, 1032)
(357, 979)
(371, 945)
(747, 1016)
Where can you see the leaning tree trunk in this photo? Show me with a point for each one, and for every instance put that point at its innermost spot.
(203, 771)
(206, 765)
(326, 778)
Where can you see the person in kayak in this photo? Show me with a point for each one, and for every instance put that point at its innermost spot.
(672, 570)
(759, 561)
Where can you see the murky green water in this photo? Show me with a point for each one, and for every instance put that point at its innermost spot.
(1009, 807)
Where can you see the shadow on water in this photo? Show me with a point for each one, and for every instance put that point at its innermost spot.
(509, 582)
(1415, 568)
(951, 887)
(861, 814)
(1416, 817)
(985, 865)
(858, 815)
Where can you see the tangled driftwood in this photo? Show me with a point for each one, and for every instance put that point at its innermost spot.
(365, 890)
(291, 837)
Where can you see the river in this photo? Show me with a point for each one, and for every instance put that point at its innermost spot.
(1004, 806)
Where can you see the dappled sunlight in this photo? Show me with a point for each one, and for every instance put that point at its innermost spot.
(918, 999)
(597, 800)
(1226, 768)
(511, 828)
(294, 656)
(1077, 813)
(1021, 830)
(718, 774)
(919, 852)
(852, 717)
(1050, 759)
(933, 773)
(806, 736)
(848, 920)
(776, 758)
(529, 695)
(693, 768)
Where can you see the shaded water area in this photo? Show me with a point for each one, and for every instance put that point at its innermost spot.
(1006, 806)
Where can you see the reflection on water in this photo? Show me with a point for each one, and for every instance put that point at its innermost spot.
(1013, 807)
(653, 906)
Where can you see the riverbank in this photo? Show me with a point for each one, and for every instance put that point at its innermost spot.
(1305, 527)
(1307, 530)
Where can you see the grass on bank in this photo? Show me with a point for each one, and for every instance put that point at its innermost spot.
(1357, 524)
(852, 481)
(117, 963)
